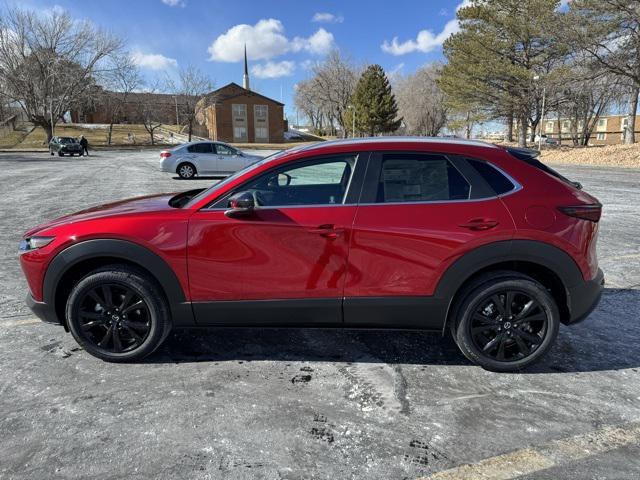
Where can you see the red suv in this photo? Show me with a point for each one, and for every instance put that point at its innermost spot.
(430, 234)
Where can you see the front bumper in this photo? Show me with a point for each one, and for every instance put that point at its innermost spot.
(43, 311)
(584, 298)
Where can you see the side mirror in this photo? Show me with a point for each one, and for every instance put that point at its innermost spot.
(284, 179)
(242, 203)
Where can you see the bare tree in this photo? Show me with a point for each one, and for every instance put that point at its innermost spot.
(609, 30)
(191, 87)
(48, 62)
(325, 97)
(150, 110)
(121, 80)
(421, 102)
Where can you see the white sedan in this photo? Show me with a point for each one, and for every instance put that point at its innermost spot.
(204, 158)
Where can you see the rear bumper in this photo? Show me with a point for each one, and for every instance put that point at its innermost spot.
(584, 298)
(43, 311)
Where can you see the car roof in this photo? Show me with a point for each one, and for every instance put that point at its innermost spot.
(378, 141)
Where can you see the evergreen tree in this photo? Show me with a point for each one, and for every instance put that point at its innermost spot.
(495, 58)
(374, 103)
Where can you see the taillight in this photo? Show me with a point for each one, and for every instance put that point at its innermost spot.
(165, 154)
(591, 212)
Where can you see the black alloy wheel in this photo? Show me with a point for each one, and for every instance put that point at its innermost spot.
(114, 318)
(118, 313)
(505, 321)
(508, 325)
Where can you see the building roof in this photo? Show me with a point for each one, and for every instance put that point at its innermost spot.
(233, 90)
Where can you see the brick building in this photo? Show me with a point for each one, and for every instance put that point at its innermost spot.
(166, 108)
(609, 129)
(237, 114)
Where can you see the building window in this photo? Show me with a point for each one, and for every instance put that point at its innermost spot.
(566, 125)
(262, 132)
(549, 127)
(261, 112)
(624, 125)
(601, 136)
(239, 132)
(239, 110)
(602, 124)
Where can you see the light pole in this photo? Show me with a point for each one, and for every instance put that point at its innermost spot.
(544, 97)
(353, 120)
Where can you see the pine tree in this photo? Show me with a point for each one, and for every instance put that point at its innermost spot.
(374, 103)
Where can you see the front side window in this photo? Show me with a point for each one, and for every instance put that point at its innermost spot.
(225, 150)
(419, 178)
(319, 182)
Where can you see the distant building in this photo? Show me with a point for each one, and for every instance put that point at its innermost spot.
(237, 114)
(166, 108)
(609, 129)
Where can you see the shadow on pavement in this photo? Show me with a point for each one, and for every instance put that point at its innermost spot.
(605, 341)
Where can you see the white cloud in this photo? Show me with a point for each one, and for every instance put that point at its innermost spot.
(174, 3)
(325, 17)
(320, 43)
(426, 40)
(273, 69)
(153, 61)
(265, 40)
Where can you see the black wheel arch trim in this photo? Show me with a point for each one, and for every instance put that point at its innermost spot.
(540, 253)
(181, 311)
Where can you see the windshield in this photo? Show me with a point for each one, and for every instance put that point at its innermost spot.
(248, 168)
(67, 140)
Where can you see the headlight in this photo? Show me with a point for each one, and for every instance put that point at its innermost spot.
(33, 243)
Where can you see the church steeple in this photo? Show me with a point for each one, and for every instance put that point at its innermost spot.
(245, 77)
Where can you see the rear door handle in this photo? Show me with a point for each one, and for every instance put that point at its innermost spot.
(327, 231)
(480, 224)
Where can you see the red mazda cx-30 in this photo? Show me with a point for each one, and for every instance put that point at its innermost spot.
(444, 235)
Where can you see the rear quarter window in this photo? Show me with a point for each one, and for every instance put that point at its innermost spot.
(498, 182)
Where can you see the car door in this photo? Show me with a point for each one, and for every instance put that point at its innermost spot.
(284, 263)
(228, 159)
(418, 213)
(202, 155)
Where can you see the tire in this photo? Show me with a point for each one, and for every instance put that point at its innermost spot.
(186, 171)
(505, 321)
(118, 314)
(60, 154)
(51, 152)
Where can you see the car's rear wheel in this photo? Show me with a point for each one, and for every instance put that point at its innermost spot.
(51, 152)
(505, 321)
(118, 314)
(186, 170)
(60, 154)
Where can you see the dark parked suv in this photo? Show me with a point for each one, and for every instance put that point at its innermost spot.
(443, 235)
(65, 146)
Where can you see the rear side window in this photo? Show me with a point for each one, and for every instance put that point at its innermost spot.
(201, 148)
(529, 157)
(496, 180)
(420, 178)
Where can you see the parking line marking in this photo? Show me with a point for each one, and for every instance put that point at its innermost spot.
(17, 323)
(556, 452)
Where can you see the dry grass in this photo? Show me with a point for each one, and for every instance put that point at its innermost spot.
(97, 136)
(12, 139)
(626, 156)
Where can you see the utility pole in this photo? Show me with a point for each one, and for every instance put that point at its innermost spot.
(353, 120)
(175, 99)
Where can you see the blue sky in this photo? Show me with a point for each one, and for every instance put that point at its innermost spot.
(284, 37)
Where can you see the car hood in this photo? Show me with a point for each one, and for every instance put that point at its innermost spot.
(149, 203)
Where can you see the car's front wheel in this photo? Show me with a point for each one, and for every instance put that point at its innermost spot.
(186, 171)
(505, 321)
(118, 314)
(60, 154)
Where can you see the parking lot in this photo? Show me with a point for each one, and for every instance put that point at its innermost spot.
(293, 404)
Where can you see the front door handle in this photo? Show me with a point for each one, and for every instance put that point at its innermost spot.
(327, 231)
(480, 224)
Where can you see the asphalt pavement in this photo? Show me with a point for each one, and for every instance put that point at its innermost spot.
(294, 404)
